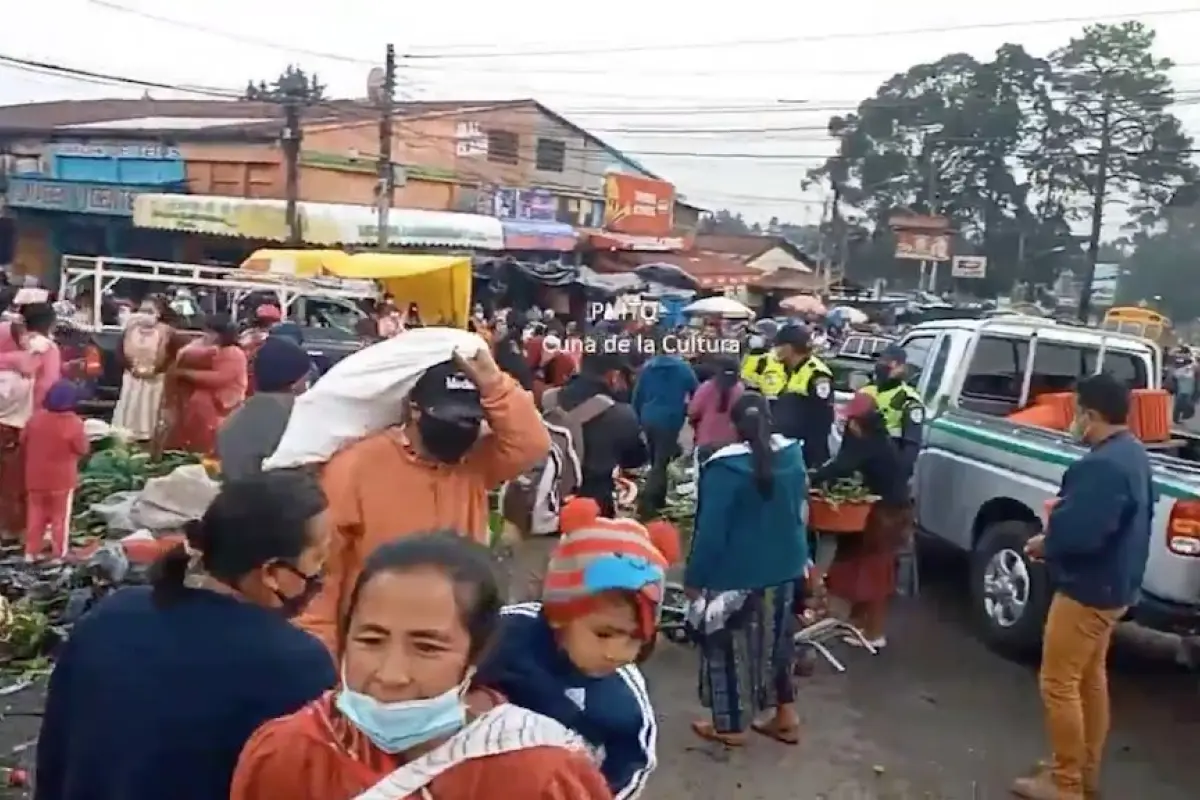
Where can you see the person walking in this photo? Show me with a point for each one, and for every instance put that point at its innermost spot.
(1095, 547)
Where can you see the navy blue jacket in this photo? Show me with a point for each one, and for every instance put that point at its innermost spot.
(1098, 535)
(148, 703)
(742, 540)
(661, 393)
(612, 713)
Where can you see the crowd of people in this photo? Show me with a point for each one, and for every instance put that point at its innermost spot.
(347, 631)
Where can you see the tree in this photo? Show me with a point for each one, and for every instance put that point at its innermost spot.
(724, 222)
(293, 82)
(1116, 132)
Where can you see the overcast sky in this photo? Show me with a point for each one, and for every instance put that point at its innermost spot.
(659, 80)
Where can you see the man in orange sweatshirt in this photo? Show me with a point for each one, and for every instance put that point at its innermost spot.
(432, 472)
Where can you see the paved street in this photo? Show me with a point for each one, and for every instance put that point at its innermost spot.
(935, 717)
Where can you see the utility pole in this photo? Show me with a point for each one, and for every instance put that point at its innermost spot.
(291, 154)
(837, 228)
(931, 189)
(387, 175)
(1089, 270)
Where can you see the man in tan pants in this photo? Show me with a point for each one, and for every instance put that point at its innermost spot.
(1095, 548)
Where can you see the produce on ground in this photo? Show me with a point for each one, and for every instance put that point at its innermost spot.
(117, 466)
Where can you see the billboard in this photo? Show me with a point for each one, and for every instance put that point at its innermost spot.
(638, 206)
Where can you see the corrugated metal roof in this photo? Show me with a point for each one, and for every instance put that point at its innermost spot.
(164, 123)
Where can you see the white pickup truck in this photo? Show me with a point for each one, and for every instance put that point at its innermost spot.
(981, 481)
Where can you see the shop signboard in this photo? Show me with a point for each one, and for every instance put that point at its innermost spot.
(637, 205)
(524, 205)
(921, 237)
(219, 216)
(968, 267)
(72, 197)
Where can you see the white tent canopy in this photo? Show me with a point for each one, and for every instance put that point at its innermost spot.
(719, 307)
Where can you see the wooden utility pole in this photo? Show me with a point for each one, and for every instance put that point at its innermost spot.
(1089, 270)
(291, 153)
(385, 170)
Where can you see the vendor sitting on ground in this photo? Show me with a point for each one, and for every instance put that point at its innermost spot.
(864, 568)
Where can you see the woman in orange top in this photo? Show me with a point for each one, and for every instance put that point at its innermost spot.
(400, 725)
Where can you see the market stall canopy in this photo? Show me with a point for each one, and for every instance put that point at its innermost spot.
(803, 304)
(705, 271)
(320, 223)
(439, 285)
(719, 307)
(847, 314)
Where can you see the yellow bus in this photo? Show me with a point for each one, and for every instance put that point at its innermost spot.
(1144, 322)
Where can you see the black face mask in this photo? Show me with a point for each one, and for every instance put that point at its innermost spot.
(884, 378)
(445, 440)
(291, 607)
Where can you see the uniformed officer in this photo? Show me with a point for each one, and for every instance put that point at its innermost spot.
(804, 408)
(760, 370)
(900, 404)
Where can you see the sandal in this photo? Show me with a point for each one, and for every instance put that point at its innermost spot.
(704, 729)
(788, 736)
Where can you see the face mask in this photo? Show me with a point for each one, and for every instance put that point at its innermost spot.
(446, 441)
(292, 607)
(884, 376)
(397, 727)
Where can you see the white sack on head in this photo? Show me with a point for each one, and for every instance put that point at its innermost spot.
(364, 393)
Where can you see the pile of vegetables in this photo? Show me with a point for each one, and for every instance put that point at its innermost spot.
(117, 466)
(845, 491)
(680, 509)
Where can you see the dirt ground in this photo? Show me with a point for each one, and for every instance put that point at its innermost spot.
(935, 717)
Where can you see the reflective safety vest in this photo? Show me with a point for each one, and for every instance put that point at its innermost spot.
(894, 403)
(800, 380)
(763, 373)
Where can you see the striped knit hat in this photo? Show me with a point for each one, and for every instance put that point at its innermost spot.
(596, 555)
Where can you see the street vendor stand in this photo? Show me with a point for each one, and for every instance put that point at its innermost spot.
(439, 285)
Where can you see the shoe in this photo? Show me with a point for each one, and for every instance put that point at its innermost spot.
(1041, 787)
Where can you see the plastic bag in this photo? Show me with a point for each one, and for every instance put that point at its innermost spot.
(116, 511)
(170, 501)
(364, 393)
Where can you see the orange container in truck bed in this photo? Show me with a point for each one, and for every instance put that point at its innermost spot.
(1150, 414)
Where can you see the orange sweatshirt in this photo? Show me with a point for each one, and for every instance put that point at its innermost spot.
(380, 489)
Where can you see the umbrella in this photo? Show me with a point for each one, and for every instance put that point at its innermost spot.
(848, 314)
(719, 307)
(803, 304)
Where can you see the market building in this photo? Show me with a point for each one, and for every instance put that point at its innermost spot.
(541, 181)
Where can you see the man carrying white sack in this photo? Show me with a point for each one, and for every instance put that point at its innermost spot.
(433, 471)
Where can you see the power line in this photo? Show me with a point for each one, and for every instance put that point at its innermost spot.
(827, 37)
(448, 54)
(88, 76)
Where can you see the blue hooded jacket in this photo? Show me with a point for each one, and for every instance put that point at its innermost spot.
(742, 540)
(661, 393)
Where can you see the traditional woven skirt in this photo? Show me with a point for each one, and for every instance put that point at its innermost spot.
(746, 666)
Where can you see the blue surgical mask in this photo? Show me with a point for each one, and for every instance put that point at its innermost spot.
(401, 726)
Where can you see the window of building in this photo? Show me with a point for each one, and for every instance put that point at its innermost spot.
(551, 155)
(503, 147)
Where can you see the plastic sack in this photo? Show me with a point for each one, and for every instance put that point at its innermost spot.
(117, 511)
(364, 394)
(170, 501)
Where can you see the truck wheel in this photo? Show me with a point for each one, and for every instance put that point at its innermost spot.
(1010, 594)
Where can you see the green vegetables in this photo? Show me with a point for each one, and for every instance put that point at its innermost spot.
(113, 467)
(845, 491)
(23, 629)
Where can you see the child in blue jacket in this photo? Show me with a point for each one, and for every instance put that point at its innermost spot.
(573, 656)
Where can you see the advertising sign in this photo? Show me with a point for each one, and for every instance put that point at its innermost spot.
(968, 267)
(218, 216)
(524, 205)
(639, 206)
(922, 245)
(72, 197)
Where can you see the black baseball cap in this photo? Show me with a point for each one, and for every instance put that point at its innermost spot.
(794, 335)
(446, 392)
(893, 354)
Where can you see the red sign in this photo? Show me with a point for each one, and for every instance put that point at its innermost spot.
(636, 205)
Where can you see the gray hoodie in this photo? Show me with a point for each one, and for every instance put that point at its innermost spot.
(252, 433)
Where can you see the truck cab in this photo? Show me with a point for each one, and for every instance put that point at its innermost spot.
(982, 479)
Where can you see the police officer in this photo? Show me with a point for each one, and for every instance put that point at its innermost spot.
(760, 370)
(804, 408)
(900, 404)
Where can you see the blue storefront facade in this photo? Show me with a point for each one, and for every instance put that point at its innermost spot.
(76, 198)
